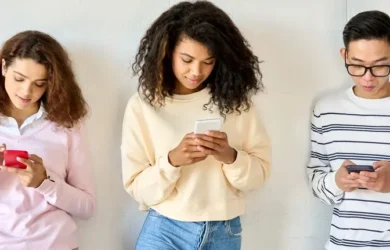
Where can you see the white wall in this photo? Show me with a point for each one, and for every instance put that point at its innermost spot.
(299, 43)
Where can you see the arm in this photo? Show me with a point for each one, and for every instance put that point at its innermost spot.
(319, 171)
(252, 165)
(148, 180)
(75, 195)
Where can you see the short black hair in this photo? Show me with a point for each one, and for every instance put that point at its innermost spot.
(367, 25)
(236, 75)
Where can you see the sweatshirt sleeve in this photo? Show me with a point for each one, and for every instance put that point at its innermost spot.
(75, 195)
(253, 163)
(319, 171)
(147, 178)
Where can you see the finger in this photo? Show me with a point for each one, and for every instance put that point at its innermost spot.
(190, 148)
(366, 184)
(365, 178)
(36, 159)
(190, 141)
(210, 139)
(348, 162)
(373, 175)
(380, 164)
(29, 164)
(198, 154)
(217, 134)
(353, 185)
(189, 135)
(369, 185)
(207, 151)
(352, 176)
(3, 147)
(208, 144)
(345, 181)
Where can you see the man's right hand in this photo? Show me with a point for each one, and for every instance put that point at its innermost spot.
(345, 181)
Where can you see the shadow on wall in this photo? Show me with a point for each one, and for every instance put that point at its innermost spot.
(107, 87)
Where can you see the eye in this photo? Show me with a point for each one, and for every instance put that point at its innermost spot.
(186, 61)
(40, 85)
(18, 79)
(209, 63)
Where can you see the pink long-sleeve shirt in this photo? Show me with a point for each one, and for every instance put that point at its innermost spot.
(42, 218)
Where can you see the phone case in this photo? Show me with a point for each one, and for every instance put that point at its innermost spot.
(358, 168)
(10, 158)
(201, 126)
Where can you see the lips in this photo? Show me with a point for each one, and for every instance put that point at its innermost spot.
(194, 80)
(368, 88)
(24, 100)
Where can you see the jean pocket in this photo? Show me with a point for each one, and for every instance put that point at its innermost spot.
(233, 227)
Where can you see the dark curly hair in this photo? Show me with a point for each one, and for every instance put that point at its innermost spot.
(236, 75)
(63, 100)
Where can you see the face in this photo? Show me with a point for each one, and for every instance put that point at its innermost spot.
(369, 53)
(25, 82)
(192, 64)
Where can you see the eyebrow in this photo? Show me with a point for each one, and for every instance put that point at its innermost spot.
(37, 80)
(378, 60)
(185, 54)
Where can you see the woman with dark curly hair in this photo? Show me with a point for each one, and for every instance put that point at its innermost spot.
(41, 112)
(193, 64)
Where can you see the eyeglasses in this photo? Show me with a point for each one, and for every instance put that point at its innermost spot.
(360, 70)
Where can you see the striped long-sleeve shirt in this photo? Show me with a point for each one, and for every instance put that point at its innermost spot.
(346, 127)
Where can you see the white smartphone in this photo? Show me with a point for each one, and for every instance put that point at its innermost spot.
(201, 126)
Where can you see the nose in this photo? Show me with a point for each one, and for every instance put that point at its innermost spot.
(368, 76)
(196, 69)
(26, 89)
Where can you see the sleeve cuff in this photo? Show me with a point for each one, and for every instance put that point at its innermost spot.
(171, 172)
(236, 167)
(331, 184)
(48, 186)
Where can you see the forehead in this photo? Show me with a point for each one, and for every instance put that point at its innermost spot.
(192, 48)
(29, 68)
(369, 50)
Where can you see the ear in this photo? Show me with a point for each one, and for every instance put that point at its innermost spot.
(3, 68)
(343, 52)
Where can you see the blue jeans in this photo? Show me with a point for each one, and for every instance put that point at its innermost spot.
(162, 233)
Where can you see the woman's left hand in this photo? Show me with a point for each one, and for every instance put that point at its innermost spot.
(216, 143)
(33, 175)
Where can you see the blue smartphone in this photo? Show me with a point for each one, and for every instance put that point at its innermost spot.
(358, 168)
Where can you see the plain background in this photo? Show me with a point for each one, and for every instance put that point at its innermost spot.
(298, 41)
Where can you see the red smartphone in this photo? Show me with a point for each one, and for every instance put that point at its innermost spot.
(10, 158)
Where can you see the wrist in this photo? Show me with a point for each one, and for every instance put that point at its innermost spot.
(232, 156)
(170, 159)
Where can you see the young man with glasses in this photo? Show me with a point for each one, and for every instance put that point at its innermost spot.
(350, 129)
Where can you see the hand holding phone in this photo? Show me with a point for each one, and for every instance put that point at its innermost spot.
(185, 153)
(11, 161)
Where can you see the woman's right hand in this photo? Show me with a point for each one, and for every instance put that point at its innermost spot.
(186, 153)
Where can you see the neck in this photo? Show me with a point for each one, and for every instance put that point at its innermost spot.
(20, 115)
(181, 90)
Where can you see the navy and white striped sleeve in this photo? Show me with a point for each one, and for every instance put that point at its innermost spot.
(319, 171)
